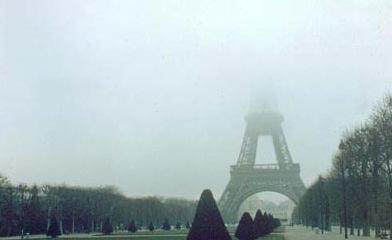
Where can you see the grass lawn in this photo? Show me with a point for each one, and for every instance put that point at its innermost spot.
(144, 235)
(163, 237)
(273, 237)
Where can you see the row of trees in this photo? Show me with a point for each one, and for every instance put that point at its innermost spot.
(263, 224)
(357, 192)
(26, 209)
(107, 227)
(208, 223)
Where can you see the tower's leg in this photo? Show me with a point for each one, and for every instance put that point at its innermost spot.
(229, 213)
(248, 149)
(281, 149)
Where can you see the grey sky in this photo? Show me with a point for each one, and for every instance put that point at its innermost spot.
(150, 96)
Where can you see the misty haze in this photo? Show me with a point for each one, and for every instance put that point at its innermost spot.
(207, 120)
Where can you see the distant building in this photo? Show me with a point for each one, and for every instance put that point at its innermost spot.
(251, 205)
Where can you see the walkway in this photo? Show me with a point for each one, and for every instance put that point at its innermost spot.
(301, 233)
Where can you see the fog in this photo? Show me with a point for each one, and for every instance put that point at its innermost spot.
(150, 96)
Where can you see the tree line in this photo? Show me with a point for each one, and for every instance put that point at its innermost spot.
(30, 209)
(356, 194)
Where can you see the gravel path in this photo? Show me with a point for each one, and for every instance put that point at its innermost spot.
(301, 233)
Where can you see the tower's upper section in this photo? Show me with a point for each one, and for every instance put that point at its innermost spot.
(264, 123)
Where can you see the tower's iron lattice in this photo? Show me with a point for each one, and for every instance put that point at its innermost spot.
(248, 178)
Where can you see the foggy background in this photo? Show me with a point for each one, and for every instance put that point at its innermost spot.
(150, 96)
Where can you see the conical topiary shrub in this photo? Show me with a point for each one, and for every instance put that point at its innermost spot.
(107, 227)
(187, 225)
(54, 228)
(270, 222)
(132, 226)
(245, 229)
(166, 225)
(151, 227)
(208, 223)
(258, 224)
(178, 226)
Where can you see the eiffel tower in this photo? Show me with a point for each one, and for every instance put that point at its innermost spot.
(248, 178)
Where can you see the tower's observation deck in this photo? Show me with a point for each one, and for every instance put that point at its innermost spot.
(293, 167)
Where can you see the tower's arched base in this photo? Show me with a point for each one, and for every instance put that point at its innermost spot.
(248, 180)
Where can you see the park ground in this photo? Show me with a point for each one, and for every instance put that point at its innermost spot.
(302, 233)
(140, 235)
(283, 233)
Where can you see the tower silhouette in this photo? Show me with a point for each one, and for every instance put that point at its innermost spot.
(248, 178)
